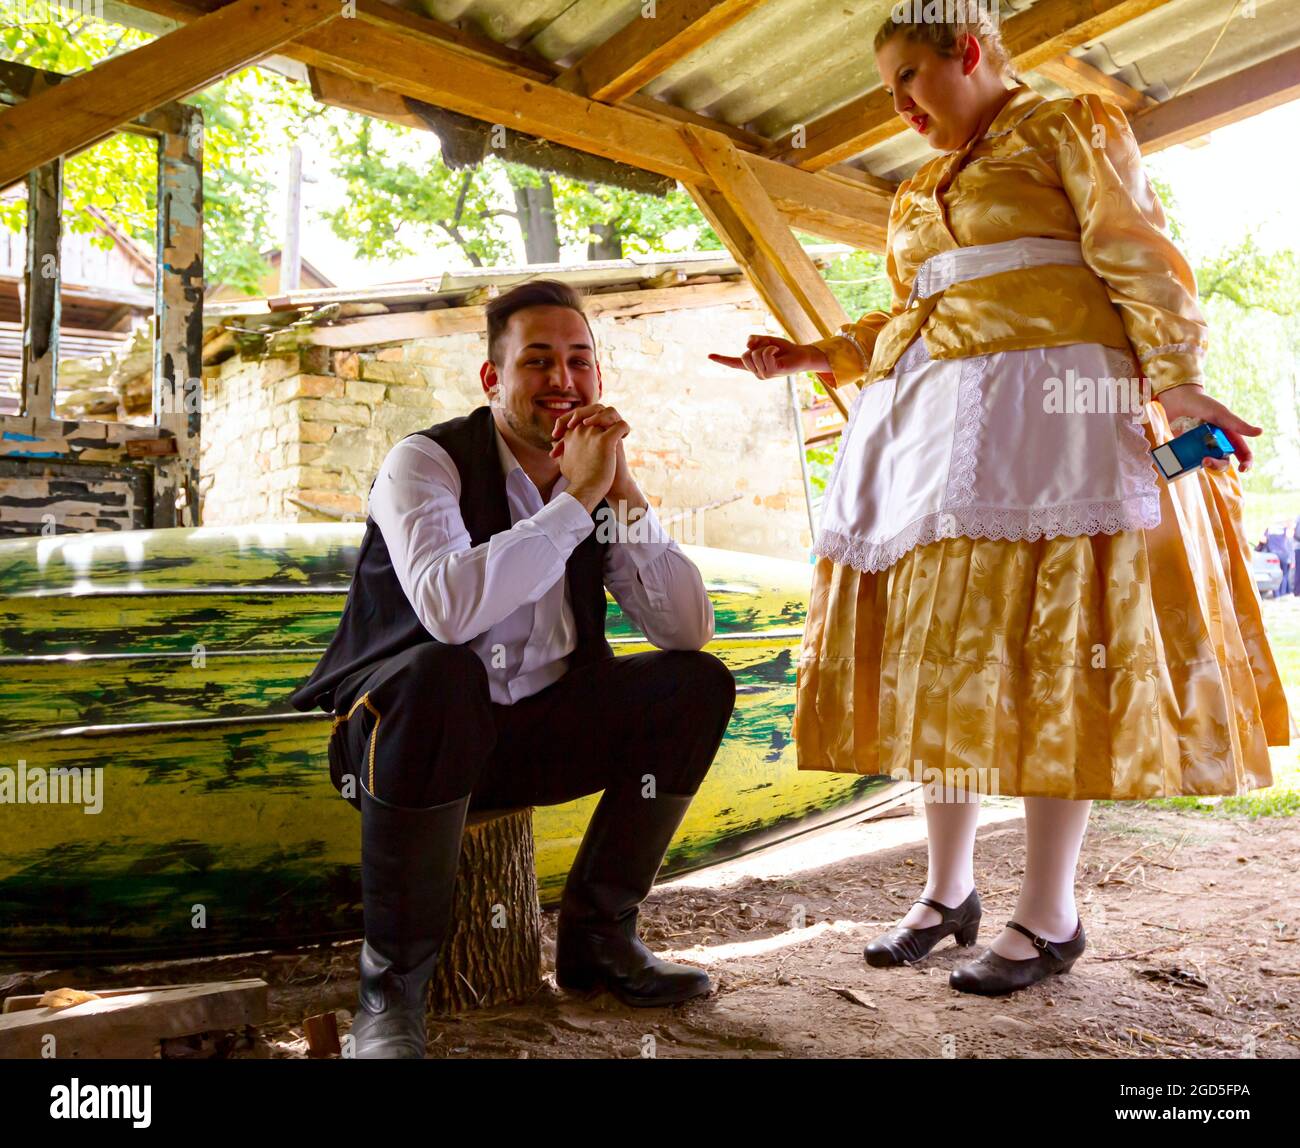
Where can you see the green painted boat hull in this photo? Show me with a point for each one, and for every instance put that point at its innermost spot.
(165, 659)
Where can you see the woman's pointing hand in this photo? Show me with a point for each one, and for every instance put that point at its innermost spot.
(768, 356)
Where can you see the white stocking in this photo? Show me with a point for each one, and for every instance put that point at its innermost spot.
(1054, 829)
(950, 825)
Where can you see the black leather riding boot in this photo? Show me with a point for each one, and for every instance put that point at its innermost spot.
(596, 944)
(408, 871)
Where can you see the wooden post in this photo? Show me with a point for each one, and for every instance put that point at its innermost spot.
(52, 445)
(493, 952)
(178, 318)
(41, 303)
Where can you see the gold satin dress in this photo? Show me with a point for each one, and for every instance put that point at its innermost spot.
(1124, 666)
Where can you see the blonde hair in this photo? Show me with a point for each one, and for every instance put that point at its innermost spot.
(943, 23)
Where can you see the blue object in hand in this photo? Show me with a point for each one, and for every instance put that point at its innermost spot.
(1188, 452)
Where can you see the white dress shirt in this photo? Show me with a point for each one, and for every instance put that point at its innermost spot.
(508, 598)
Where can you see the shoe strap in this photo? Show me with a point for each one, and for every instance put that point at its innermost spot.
(946, 911)
(1042, 943)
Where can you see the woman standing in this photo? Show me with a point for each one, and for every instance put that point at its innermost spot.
(1006, 595)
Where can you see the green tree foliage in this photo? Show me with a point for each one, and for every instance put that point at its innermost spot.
(401, 197)
(1252, 304)
(1170, 203)
(643, 224)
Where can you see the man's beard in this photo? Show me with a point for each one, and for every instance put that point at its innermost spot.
(530, 430)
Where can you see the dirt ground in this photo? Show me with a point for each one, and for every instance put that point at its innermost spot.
(1194, 952)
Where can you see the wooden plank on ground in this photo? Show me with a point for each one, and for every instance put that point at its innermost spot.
(129, 1026)
(23, 1003)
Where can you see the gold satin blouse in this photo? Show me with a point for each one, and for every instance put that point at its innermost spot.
(1058, 169)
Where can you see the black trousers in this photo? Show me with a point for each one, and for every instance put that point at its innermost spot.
(420, 728)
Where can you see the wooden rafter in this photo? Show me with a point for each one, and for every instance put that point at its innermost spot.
(761, 271)
(760, 240)
(828, 205)
(1081, 78)
(647, 48)
(731, 175)
(467, 42)
(1246, 93)
(91, 105)
(412, 55)
(1041, 34)
(367, 99)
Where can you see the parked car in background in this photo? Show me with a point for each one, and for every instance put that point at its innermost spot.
(1268, 573)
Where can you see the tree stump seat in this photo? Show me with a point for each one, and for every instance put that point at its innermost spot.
(492, 954)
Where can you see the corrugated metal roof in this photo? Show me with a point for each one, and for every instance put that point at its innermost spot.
(791, 61)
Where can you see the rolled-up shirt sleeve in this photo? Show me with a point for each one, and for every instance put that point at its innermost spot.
(456, 589)
(657, 586)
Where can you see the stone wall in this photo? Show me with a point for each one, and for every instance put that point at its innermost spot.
(299, 437)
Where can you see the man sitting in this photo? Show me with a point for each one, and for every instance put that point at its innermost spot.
(470, 669)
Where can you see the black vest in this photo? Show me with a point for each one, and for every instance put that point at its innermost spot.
(378, 620)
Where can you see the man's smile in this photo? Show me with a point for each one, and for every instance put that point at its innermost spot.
(558, 406)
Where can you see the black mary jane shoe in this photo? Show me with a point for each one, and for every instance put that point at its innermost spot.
(993, 975)
(903, 944)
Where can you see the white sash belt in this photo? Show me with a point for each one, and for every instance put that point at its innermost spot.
(989, 446)
(962, 263)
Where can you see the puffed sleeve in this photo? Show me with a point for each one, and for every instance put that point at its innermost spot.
(850, 351)
(1122, 232)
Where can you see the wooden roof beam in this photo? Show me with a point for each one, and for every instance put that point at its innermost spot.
(1081, 78)
(477, 46)
(93, 104)
(467, 43)
(1185, 118)
(825, 204)
(759, 238)
(1042, 33)
(458, 70)
(647, 48)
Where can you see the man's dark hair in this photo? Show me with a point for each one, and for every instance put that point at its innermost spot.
(536, 293)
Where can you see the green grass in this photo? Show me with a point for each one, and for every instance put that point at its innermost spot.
(1276, 801)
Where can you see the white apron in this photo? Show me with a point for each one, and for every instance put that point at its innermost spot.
(1019, 445)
